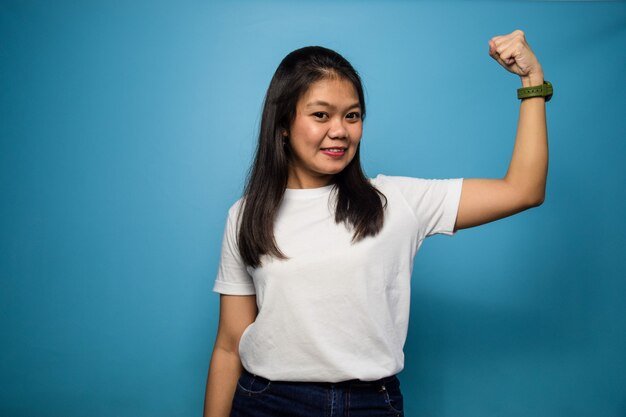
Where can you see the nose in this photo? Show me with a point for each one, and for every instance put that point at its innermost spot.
(338, 129)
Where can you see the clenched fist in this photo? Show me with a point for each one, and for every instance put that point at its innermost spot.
(513, 53)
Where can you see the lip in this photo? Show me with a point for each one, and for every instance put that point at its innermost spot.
(337, 153)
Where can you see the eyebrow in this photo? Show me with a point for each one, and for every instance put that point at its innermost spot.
(326, 104)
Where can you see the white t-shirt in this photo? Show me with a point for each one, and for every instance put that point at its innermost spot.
(335, 309)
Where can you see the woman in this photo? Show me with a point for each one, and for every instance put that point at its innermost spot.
(316, 258)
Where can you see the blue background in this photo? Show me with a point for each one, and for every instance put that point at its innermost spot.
(126, 131)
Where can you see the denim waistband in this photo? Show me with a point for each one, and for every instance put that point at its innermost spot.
(350, 382)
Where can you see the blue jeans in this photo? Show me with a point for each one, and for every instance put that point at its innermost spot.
(259, 397)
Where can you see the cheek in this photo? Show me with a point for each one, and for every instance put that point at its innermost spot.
(312, 138)
(355, 133)
(315, 131)
(307, 132)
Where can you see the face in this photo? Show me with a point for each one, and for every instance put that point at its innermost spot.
(325, 133)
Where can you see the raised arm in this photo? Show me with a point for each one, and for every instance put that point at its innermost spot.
(236, 313)
(523, 186)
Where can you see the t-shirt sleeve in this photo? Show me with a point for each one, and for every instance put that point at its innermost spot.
(232, 276)
(434, 202)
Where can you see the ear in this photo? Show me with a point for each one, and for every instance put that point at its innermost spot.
(284, 132)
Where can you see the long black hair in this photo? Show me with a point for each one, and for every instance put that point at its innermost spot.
(359, 204)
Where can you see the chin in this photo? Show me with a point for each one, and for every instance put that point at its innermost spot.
(333, 171)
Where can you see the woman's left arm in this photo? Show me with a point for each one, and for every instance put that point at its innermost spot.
(523, 186)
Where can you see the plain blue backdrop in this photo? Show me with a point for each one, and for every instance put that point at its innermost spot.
(126, 131)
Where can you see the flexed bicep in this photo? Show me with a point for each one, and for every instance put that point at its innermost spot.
(485, 200)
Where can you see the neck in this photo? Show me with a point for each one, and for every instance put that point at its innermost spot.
(295, 181)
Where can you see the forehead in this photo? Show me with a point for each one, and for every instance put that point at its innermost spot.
(337, 91)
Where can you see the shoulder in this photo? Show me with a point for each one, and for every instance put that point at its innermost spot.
(235, 209)
(418, 191)
(433, 202)
(234, 215)
(383, 182)
(410, 182)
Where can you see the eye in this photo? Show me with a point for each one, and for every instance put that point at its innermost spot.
(320, 115)
(355, 115)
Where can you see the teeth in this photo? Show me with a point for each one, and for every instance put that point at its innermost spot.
(334, 149)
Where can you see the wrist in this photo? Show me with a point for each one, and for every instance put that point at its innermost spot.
(532, 80)
(544, 90)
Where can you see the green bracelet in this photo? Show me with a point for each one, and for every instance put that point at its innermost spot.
(544, 90)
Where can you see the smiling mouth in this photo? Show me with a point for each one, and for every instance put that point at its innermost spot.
(334, 150)
(336, 153)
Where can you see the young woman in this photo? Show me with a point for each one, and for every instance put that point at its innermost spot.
(316, 258)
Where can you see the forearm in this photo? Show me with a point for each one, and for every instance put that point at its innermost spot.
(224, 372)
(528, 168)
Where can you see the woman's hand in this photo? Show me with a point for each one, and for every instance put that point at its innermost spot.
(514, 54)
